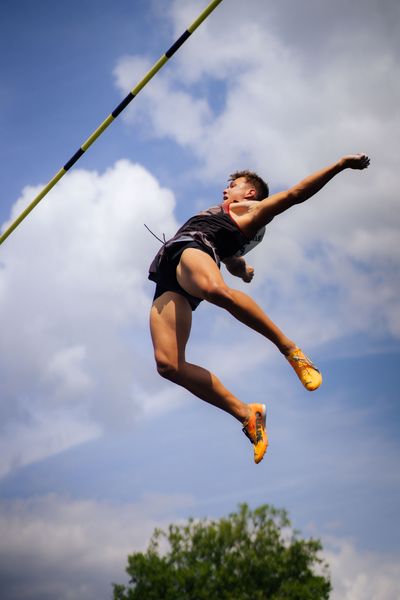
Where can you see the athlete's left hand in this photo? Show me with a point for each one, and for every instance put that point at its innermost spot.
(248, 274)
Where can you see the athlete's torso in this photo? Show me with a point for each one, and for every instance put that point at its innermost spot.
(221, 226)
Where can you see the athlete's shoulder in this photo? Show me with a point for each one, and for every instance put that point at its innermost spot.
(243, 207)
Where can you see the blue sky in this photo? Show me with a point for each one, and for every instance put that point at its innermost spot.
(95, 449)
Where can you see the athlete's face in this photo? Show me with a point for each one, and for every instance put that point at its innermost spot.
(238, 190)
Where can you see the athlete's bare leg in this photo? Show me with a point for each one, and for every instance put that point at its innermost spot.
(199, 275)
(170, 324)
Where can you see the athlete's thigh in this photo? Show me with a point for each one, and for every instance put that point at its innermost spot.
(170, 324)
(197, 272)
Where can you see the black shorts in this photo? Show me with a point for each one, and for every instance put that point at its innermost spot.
(166, 275)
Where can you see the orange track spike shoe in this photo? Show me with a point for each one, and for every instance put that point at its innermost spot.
(306, 371)
(254, 429)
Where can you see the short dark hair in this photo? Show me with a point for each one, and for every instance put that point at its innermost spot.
(261, 186)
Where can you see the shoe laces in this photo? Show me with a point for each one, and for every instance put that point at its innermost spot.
(304, 362)
(259, 427)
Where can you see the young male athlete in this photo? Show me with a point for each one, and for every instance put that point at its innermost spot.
(186, 271)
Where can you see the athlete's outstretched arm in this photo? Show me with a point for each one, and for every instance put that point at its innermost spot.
(268, 208)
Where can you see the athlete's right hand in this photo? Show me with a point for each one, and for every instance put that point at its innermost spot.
(356, 161)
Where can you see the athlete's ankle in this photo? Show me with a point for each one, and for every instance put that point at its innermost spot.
(287, 347)
(245, 415)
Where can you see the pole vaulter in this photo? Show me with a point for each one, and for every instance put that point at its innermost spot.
(117, 111)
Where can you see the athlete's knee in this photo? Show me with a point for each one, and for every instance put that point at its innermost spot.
(219, 294)
(167, 368)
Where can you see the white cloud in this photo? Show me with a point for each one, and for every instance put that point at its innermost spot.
(173, 112)
(358, 575)
(75, 352)
(66, 368)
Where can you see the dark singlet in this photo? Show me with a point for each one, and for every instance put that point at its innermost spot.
(214, 231)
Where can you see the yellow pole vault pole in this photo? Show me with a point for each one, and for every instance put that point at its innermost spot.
(134, 92)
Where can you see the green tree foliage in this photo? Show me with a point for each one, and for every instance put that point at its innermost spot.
(251, 555)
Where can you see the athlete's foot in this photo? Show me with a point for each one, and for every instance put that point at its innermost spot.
(254, 429)
(308, 373)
